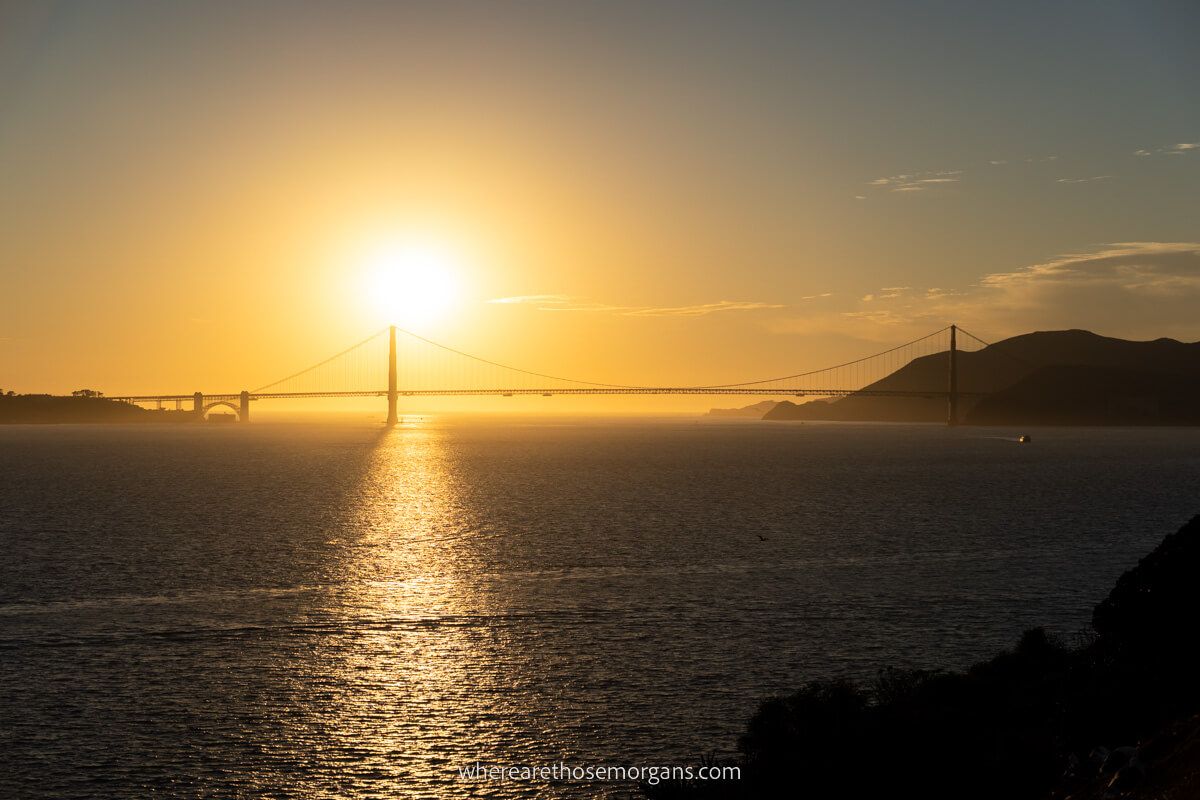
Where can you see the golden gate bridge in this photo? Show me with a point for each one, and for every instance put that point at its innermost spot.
(415, 366)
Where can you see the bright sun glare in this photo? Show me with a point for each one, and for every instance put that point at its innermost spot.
(412, 283)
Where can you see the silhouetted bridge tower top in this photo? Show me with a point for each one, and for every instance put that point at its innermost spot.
(418, 367)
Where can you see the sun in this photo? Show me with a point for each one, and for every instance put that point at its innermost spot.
(411, 283)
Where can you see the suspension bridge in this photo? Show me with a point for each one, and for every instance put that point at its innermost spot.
(418, 367)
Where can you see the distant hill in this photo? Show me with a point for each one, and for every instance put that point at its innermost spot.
(1091, 395)
(1028, 380)
(755, 411)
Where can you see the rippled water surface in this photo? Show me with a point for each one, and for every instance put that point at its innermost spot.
(308, 611)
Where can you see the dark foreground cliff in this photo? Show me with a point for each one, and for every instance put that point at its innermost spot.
(1112, 717)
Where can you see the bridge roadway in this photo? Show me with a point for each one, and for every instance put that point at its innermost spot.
(633, 390)
(240, 401)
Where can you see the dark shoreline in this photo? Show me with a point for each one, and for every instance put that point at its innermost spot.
(45, 409)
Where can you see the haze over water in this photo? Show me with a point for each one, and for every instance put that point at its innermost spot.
(318, 610)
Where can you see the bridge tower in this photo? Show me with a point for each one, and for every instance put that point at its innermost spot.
(391, 419)
(952, 394)
(244, 406)
(198, 405)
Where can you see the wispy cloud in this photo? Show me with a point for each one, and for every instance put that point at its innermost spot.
(1178, 149)
(997, 162)
(1084, 180)
(879, 317)
(886, 293)
(530, 298)
(917, 181)
(700, 310)
(1138, 290)
(1159, 268)
(565, 303)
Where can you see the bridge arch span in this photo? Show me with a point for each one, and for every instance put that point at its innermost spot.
(227, 403)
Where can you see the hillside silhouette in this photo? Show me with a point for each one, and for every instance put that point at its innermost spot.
(1071, 377)
(754, 411)
(45, 409)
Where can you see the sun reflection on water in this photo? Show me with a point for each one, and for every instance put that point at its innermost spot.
(405, 523)
(407, 697)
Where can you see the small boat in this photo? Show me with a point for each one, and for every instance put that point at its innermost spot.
(1024, 438)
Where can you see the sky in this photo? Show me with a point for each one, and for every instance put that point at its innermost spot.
(666, 193)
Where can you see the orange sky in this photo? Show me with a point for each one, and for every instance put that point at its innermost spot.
(688, 197)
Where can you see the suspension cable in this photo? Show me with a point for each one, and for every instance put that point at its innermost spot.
(516, 369)
(998, 348)
(827, 369)
(320, 364)
(531, 373)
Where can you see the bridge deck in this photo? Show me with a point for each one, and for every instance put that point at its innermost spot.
(591, 391)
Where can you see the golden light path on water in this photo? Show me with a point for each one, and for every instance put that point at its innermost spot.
(416, 691)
